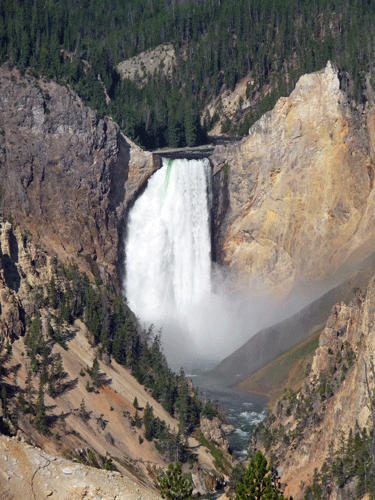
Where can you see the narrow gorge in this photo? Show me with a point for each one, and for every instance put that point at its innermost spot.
(210, 251)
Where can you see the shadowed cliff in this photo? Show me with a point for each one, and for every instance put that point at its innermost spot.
(66, 176)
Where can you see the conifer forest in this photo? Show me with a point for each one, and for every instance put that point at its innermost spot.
(217, 42)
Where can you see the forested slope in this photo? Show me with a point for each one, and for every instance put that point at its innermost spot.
(73, 357)
(217, 43)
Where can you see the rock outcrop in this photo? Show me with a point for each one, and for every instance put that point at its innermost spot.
(139, 68)
(215, 430)
(23, 267)
(307, 427)
(299, 199)
(66, 176)
(266, 345)
(30, 473)
(206, 482)
(82, 423)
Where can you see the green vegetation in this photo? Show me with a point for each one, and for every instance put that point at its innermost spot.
(137, 420)
(93, 459)
(221, 463)
(83, 413)
(114, 332)
(216, 43)
(8, 418)
(148, 420)
(40, 421)
(56, 376)
(171, 445)
(173, 485)
(257, 482)
(348, 469)
(210, 409)
(95, 373)
(287, 370)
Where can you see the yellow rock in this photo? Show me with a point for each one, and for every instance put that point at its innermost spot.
(301, 203)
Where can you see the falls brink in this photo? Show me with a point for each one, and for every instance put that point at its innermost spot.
(168, 243)
(169, 278)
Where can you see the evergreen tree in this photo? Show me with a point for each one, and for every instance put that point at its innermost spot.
(29, 391)
(95, 373)
(22, 402)
(35, 343)
(256, 484)
(148, 420)
(52, 293)
(4, 399)
(137, 420)
(40, 413)
(83, 413)
(173, 485)
(56, 375)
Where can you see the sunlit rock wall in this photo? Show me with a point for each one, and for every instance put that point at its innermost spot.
(299, 189)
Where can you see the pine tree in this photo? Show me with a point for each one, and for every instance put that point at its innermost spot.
(256, 484)
(52, 293)
(56, 375)
(95, 373)
(40, 413)
(66, 308)
(137, 420)
(173, 485)
(4, 399)
(22, 402)
(29, 391)
(148, 420)
(83, 413)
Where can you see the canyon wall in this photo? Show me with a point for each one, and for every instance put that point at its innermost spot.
(269, 343)
(293, 206)
(297, 201)
(66, 175)
(307, 427)
(293, 201)
(84, 424)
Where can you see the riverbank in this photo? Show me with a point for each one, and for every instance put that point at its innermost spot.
(242, 409)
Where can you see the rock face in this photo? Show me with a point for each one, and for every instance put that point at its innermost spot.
(334, 399)
(266, 345)
(26, 273)
(28, 472)
(66, 175)
(299, 190)
(214, 430)
(22, 268)
(140, 67)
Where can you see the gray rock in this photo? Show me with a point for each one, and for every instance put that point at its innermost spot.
(68, 470)
(65, 174)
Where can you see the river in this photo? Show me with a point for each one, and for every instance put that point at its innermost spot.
(169, 281)
(243, 410)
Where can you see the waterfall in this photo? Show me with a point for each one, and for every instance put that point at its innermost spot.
(168, 244)
(168, 276)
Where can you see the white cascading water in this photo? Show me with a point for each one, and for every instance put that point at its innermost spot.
(168, 244)
(168, 278)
